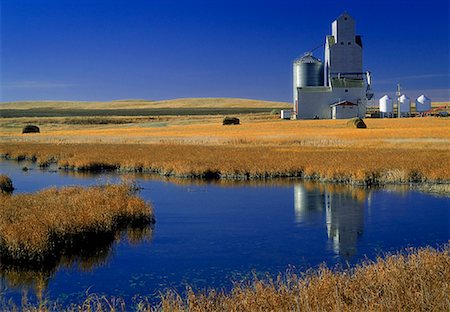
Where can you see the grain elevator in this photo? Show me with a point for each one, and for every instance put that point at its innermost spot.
(338, 87)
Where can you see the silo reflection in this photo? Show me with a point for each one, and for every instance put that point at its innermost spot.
(343, 207)
(345, 222)
(308, 202)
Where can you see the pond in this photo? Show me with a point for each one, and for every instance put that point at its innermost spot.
(211, 234)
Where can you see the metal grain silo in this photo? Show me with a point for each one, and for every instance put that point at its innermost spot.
(423, 104)
(405, 105)
(308, 71)
(386, 107)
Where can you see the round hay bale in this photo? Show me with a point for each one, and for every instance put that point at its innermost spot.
(6, 185)
(356, 123)
(30, 129)
(230, 121)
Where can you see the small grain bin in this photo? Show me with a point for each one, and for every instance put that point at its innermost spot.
(405, 105)
(386, 106)
(308, 71)
(423, 104)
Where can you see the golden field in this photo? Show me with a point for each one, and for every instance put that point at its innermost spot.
(41, 226)
(417, 280)
(263, 146)
(139, 104)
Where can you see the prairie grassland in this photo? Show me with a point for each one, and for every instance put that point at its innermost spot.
(142, 104)
(44, 112)
(40, 227)
(261, 129)
(416, 280)
(189, 106)
(147, 104)
(389, 151)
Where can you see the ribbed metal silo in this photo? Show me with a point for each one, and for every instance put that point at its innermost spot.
(308, 71)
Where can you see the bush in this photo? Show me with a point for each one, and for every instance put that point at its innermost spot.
(356, 123)
(30, 129)
(230, 121)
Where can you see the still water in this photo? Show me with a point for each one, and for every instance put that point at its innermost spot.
(210, 234)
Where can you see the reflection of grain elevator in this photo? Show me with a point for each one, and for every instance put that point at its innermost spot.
(337, 88)
(344, 215)
(345, 222)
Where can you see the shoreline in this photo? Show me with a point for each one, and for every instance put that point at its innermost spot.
(415, 179)
(409, 279)
(64, 224)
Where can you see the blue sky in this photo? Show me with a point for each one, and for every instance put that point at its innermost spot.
(165, 49)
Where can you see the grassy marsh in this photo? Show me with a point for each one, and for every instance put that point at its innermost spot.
(353, 166)
(39, 228)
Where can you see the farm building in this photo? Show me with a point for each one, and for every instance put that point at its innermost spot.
(338, 87)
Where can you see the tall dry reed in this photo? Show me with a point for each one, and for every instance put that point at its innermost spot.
(339, 164)
(40, 226)
(416, 281)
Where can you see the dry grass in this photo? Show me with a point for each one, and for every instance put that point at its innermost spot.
(340, 164)
(405, 282)
(254, 129)
(39, 227)
(417, 280)
(140, 104)
(388, 151)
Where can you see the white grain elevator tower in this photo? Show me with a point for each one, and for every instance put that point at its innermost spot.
(345, 88)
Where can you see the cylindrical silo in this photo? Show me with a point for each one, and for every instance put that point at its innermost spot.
(405, 105)
(308, 71)
(386, 107)
(423, 104)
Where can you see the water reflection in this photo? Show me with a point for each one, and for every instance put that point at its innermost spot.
(344, 212)
(212, 231)
(85, 258)
(434, 189)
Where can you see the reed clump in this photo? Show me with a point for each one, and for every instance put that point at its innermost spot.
(413, 281)
(39, 228)
(356, 165)
(6, 184)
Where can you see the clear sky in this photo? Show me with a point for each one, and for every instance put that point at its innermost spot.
(165, 49)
